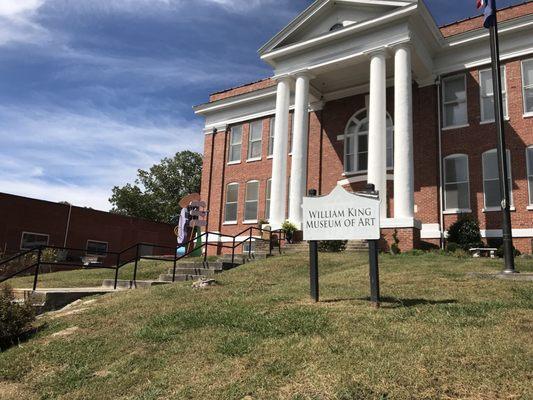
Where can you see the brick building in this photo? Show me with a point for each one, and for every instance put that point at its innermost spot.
(26, 223)
(376, 92)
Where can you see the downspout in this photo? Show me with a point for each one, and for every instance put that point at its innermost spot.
(222, 184)
(68, 225)
(210, 177)
(441, 183)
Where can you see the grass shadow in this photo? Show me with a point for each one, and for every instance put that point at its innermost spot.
(393, 302)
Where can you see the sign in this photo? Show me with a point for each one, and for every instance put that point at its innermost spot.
(341, 215)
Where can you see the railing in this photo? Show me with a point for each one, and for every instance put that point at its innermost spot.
(116, 261)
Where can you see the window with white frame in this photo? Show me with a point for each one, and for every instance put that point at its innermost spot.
(267, 202)
(486, 92)
(235, 144)
(97, 248)
(356, 143)
(232, 200)
(527, 81)
(271, 136)
(456, 183)
(251, 201)
(491, 180)
(529, 157)
(454, 102)
(32, 240)
(255, 140)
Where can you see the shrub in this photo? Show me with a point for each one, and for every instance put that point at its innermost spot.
(394, 248)
(15, 318)
(500, 252)
(289, 228)
(332, 246)
(465, 233)
(452, 247)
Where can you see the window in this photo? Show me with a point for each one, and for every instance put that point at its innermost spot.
(255, 140)
(251, 201)
(454, 101)
(232, 199)
(96, 248)
(527, 81)
(486, 92)
(271, 136)
(529, 157)
(356, 143)
(31, 241)
(491, 180)
(235, 144)
(268, 194)
(456, 183)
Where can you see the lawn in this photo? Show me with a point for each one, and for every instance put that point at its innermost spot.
(256, 335)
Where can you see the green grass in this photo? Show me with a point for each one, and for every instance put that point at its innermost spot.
(256, 335)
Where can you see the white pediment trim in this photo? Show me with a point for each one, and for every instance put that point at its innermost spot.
(318, 6)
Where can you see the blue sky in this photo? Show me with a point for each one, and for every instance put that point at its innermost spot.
(92, 90)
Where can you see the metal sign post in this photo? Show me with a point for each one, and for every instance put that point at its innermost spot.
(313, 258)
(373, 252)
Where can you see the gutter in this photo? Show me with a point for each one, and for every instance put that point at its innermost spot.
(441, 169)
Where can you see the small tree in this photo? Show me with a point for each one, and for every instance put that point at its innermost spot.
(15, 318)
(465, 233)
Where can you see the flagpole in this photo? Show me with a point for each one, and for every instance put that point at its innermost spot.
(501, 148)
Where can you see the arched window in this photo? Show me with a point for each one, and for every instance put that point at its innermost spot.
(356, 143)
(456, 183)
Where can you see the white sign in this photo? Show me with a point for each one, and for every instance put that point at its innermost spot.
(341, 215)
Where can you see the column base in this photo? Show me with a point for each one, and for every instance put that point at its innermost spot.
(407, 232)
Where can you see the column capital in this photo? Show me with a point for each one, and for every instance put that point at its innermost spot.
(283, 78)
(407, 45)
(305, 74)
(379, 52)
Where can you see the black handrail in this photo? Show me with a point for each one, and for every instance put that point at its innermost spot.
(121, 261)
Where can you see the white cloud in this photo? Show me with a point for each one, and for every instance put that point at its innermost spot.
(16, 21)
(56, 154)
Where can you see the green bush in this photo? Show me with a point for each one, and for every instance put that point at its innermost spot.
(500, 252)
(15, 318)
(394, 248)
(332, 246)
(465, 233)
(452, 247)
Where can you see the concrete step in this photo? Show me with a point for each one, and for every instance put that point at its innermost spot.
(125, 284)
(244, 258)
(195, 271)
(179, 278)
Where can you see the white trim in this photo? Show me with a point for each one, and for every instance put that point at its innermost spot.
(430, 231)
(390, 223)
(250, 222)
(340, 33)
(496, 233)
(457, 211)
(529, 208)
(504, 94)
(530, 86)
(445, 183)
(229, 223)
(444, 103)
(528, 175)
(254, 159)
(360, 178)
(450, 128)
(32, 233)
(528, 115)
(234, 162)
(496, 209)
(232, 101)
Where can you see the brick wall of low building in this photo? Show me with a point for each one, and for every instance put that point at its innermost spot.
(20, 214)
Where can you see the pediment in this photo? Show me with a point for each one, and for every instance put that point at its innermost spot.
(324, 17)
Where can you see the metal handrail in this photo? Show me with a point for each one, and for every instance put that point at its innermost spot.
(120, 262)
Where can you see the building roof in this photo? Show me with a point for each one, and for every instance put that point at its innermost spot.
(448, 30)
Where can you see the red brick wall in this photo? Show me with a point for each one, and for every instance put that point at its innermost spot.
(325, 157)
(20, 214)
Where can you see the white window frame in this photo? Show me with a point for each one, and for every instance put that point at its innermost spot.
(503, 73)
(524, 87)
(251, 142)
(246, 202)
(270, 150)
(268, 198)
(529, 149)
(100, 242)
(32, 233)
(444, 103)
(358, 122)
(457, 210)
(226, 221)
(510, 177)
(231, 145)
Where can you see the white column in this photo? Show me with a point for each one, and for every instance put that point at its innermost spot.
(404, 200)
(298, 184)
(278, 196)
(377, 128)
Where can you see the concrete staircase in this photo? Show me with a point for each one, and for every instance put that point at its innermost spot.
(357, 246)
(303, 247)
